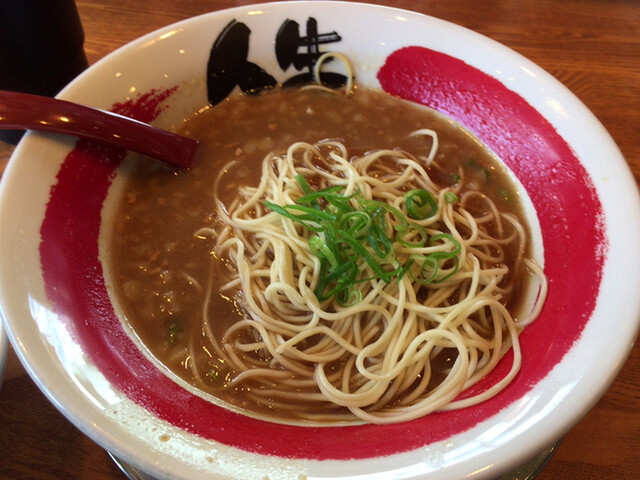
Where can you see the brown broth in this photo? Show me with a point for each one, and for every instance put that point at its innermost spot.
(160, 267)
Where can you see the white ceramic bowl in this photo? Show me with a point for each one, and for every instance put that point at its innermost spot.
(4, 347)
(61, 319)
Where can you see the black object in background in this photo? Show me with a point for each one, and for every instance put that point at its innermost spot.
(41, 48)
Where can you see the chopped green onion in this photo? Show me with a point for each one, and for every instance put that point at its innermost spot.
(349, 297)
(304, 185)
(479, 166)
(455, 269)
(332, 283)
(174, 330)
(448, 237)
(378, 208)
(357, 223)
(379, 241)
(411, 231)
(404, 269)
(450, 197)
(313, 197)
(310, 217)
(213, 374)
(427, 264)
(446, 256)
(504, 194)
(320, 249)
(420, 204)
(364, 253)
(351, 232)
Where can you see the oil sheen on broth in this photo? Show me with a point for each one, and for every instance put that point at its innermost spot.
(161, 268)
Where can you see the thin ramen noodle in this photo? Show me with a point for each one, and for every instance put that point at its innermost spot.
(330, 257)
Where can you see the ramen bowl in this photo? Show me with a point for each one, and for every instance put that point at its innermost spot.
(63, 318)
(4, 346)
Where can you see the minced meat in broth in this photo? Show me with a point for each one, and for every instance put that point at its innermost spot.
(161, 268)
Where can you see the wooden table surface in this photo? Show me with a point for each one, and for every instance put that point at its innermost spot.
(592, 46)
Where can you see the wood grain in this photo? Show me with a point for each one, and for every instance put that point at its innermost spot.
(592, 46)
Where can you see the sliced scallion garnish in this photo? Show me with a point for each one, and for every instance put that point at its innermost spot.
(450, 197)
(353, 235)
(420, 204)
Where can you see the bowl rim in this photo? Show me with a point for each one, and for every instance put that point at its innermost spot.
(4, 351)
(559, 414)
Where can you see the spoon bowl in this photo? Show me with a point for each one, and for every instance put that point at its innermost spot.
(35, 112)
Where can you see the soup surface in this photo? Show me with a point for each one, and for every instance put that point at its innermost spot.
(168, 275)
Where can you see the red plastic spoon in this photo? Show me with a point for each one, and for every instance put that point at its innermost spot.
(22, 111)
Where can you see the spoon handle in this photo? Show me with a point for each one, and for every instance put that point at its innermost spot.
(33, 112)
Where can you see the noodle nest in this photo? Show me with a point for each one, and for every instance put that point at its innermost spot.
(403, 348)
